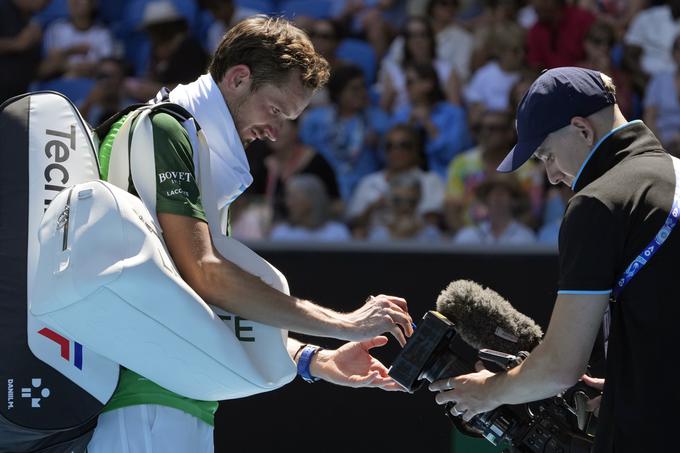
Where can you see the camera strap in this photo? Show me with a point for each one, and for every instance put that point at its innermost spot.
(649, 251)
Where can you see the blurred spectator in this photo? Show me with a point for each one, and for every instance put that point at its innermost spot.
(402, 220)
(599, 43)
(662, 105)
(226, 14)
(107, 97)
(501, 194)
(308, 213)
(347, 132)
(557, 196)
(250, 218)
(19, 45)
(326, 35)
(651, 34)
(419, 47)
(375, 20)
(404, 151)
(495, 137)
(176, 57)
(490, 85)
(285, 158)
(454, 44)
(557, 38)
(416, 7)
(616, 13)
(74, 46)
(497, 17)
(443, 124)
(519, 89)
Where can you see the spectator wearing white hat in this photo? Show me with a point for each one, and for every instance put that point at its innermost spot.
(176, 57)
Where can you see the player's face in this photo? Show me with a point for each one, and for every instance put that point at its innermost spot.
(260, 114)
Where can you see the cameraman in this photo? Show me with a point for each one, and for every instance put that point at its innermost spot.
(624, 188)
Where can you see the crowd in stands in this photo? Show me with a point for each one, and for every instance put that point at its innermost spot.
(403, 142)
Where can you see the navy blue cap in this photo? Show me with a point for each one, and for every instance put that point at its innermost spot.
(554, 98)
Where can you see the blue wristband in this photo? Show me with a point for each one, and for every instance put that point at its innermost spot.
(303, 364)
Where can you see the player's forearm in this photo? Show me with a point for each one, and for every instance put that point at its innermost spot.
(231, 288)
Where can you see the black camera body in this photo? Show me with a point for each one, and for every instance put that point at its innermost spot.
(554, 425)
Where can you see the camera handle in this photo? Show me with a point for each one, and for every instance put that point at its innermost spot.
(497, 361)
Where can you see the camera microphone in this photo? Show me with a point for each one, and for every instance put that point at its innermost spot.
(485, 320)
(471, 323)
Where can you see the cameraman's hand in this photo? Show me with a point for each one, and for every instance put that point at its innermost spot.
(352, 365)
(469, 393)
(596, 383)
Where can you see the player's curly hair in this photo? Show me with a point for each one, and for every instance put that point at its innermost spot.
(271, 47)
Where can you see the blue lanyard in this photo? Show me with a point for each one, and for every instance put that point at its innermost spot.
(649, 251)
(656, 243)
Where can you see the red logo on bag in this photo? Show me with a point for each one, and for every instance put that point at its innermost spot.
(65, 345)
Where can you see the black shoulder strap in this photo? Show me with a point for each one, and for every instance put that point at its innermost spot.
(160, 102)
(104, 127)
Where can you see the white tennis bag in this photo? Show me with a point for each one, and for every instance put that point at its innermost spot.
(108, 281)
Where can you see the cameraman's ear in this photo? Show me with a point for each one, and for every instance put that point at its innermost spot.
(479, 366)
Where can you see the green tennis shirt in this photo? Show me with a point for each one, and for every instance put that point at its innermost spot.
(176, 193)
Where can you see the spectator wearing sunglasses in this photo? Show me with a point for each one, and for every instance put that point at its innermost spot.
(404, 156)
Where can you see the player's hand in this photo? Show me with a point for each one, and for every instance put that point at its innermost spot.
(380, 314)
(352, 365)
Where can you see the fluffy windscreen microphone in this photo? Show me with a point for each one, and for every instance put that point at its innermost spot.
(485, 320)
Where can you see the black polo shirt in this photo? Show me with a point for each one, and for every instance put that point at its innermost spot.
(624, 193)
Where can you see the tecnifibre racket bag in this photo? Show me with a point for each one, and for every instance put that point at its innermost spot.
(113, 287)
(55, 387)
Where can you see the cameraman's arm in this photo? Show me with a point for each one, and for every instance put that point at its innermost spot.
(556, 364)
(560, 360)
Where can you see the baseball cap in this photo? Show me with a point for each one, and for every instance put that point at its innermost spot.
(554, 98)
